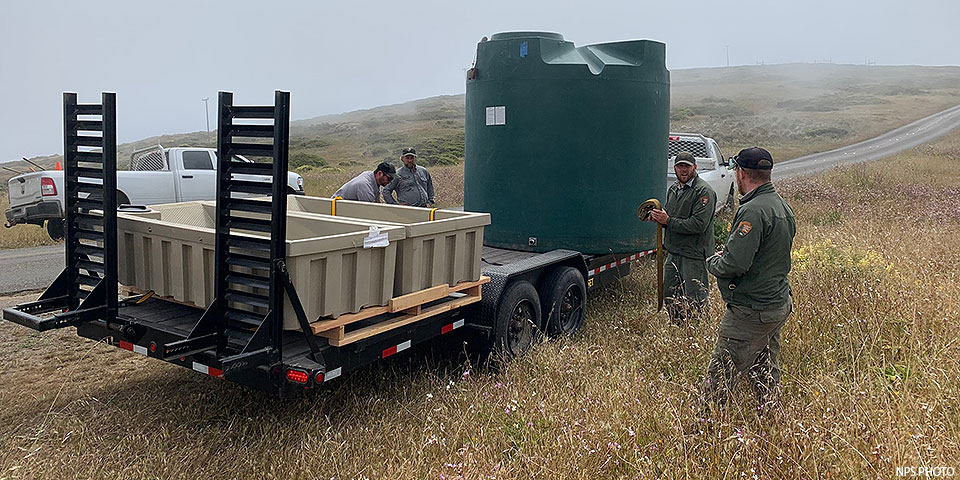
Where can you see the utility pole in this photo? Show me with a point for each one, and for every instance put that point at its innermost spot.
(728, 54)
(206, 110)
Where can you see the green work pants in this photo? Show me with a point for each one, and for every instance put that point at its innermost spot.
(748, 343)
(685, 286)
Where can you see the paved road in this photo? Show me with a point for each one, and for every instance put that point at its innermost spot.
(892, 142)
(34, 268)
(29, 268)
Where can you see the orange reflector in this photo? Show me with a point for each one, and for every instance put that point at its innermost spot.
(297, 376)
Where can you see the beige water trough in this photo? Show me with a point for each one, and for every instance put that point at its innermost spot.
(170, 249)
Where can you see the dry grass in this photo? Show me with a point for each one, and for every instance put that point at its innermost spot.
(871, 361)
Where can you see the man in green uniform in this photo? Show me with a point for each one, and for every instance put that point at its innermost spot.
(687, 217)
(751, 274)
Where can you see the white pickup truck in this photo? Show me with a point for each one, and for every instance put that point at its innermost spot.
(157, 175)
(711, 164)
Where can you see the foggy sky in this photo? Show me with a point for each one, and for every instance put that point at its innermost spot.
(162, 58)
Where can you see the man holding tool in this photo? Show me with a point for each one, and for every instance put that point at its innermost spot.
(687, 220)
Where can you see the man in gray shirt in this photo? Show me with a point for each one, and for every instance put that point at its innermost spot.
(413, 184)
(366, 186)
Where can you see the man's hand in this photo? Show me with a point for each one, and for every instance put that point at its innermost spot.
(659, 216)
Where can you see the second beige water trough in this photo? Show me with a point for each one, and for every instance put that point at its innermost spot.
(440, 247)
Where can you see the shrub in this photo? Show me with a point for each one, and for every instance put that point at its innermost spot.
(835, 261)
(301, 159)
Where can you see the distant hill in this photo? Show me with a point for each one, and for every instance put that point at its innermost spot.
(793, 109)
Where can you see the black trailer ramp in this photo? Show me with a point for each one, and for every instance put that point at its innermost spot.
(86, 289)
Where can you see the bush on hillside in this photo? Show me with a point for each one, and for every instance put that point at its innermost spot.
(304, 159)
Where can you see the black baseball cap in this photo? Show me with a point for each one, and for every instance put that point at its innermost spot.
(387, 168)
(685, 157)
(408, 151)
(755, 158)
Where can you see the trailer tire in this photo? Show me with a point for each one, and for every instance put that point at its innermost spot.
(57, 229)
(517, 327)
(565, 296)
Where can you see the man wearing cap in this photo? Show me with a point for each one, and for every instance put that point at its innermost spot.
(366, 186)
(687, 217)
(413, 183)
(751, 274)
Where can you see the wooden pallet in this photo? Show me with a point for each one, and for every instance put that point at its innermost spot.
(400, 311)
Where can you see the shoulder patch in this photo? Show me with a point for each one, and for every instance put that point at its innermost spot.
(704, 200)
(743, 228)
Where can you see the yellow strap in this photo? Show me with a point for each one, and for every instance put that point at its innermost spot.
(333, 206)
(145, 297)
(432, 212)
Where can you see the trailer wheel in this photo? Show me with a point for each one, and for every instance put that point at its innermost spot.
(565, 297)
(57, 229)
(517, 326)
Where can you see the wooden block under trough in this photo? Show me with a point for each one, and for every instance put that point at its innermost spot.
(335, 333)
(419, 297)
(346, 319)
(410, 304)
(403, 320)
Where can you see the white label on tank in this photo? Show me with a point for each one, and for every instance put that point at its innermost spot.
(497, 115)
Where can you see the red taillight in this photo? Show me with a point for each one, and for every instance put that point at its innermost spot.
(47, 187)
(297, 376)
(673, 138)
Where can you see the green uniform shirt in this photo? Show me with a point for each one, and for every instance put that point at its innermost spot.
(689, 230)
(752, 270)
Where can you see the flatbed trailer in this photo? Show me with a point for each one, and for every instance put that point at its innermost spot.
(521, 293)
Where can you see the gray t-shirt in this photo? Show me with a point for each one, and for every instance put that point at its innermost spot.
(413, 187)
(363, 187)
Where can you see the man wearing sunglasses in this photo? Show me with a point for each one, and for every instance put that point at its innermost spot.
(366, 186)
(751, 274)
(413, 184)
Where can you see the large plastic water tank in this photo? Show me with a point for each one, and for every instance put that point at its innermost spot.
(564, 143)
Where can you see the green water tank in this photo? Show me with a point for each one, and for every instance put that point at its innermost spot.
(563, 143)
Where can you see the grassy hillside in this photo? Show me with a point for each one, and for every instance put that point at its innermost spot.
(870, 358)
(793, 109)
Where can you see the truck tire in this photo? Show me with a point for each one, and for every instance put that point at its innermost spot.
(57, 229)
(517, 326)
(565, 295)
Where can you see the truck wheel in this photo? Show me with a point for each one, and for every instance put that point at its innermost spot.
(57, 229)
(565, 295)
(517, 326)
